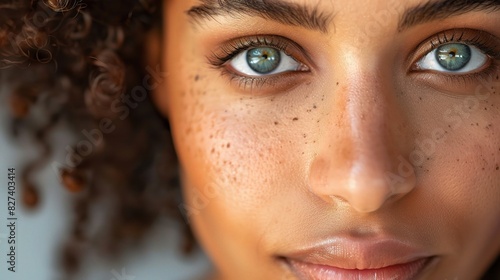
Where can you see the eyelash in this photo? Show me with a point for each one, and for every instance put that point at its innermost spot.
(484, 41)
(234, 47)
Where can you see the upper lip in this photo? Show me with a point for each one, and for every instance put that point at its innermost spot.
(357, 253)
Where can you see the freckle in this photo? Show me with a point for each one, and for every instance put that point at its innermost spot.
(420, 98)
(304, 135)
(196, 78)
(314, 106)
(295, 119)
(458, 159)
(212, 151)
(497, 167)
(337, 83)
(228, 145)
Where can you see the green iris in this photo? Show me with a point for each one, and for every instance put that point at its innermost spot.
(453, 57)
(263, 60)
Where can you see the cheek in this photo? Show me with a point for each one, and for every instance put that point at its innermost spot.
(468, 193)
(463, 200)
(460, 173)
(234, 161)
(243, 148)
(226, 147)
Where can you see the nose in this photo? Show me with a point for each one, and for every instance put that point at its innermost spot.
(361, 153)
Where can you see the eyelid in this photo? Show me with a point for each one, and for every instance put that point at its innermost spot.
(482, 40)
(231, 48)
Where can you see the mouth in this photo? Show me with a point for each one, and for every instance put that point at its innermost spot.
(405, 271)
(346, 259)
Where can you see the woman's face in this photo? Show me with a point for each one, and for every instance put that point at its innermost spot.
(322, 139)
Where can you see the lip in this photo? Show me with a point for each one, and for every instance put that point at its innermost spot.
(348, 258)
(406, 271)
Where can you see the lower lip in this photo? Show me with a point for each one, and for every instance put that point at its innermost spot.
(407, 271)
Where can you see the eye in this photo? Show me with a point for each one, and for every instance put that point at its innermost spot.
(262, 61)
(454, 58)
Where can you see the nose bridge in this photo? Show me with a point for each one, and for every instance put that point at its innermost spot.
(367, 110)
(362, 148)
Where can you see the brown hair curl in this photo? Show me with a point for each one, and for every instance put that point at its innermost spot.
(77, 62)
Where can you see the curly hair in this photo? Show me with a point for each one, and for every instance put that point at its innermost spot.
(77, 63)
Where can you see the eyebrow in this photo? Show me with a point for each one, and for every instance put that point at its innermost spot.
(277, 10)
(312, 18)
(434, 10)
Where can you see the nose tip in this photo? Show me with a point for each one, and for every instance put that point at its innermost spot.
(367, 192)
(364, 188)
(366, 196)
